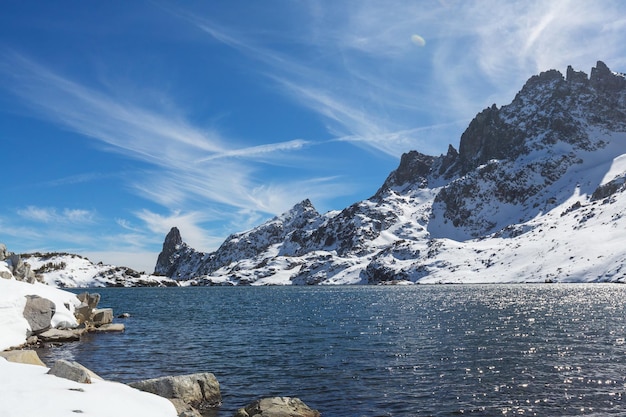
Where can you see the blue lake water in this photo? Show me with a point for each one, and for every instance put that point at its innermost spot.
(480, 350)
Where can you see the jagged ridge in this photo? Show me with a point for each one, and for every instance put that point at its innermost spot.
(521, 180)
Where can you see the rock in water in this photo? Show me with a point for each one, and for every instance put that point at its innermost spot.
(277, 407)
(201, 390)
(102, 316)
(38, 313)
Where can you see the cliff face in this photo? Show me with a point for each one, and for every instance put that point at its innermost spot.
(546, 170)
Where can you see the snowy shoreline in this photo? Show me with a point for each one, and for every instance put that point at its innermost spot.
(28, 390)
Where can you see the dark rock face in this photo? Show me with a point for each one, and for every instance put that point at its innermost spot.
(414, 168)
(167, 257)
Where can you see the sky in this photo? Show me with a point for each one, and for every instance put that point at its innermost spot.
(120, 120)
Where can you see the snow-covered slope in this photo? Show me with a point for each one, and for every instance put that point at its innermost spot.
(67, 270)
(534, 194)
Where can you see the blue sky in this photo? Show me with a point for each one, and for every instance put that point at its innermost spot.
(119, 120)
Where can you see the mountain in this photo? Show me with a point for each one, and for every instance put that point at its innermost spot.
(533, 194)
(65, 270)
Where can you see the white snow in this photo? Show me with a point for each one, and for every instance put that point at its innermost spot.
(12, 301)
(28, 391)
(73, 271)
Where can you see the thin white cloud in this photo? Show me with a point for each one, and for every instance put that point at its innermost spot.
(254, 151)
(171, 144)
(369, 80)
(51, 215)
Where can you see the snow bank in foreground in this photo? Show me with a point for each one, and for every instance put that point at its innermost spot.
(27, 391)
(13, 326)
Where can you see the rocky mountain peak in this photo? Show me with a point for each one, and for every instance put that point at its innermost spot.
(171, 245)
(414, 168)
(490, 211)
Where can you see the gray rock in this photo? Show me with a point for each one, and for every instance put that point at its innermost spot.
(91, 300)
(183, 409)
(201, 390)
(277, 407)
(38, 312)
(59, 335)
(102, 316)
(73, 371)
(109, 328)
(4, 253)
(88, 303)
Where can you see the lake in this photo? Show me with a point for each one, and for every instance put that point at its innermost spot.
(480, 350)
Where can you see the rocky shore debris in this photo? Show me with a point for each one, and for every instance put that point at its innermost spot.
(39, 312)
(277, 407)
(191, 394)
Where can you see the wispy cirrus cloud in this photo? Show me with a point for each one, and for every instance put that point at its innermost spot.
(52, 215)
(358, 67)
(175, 147)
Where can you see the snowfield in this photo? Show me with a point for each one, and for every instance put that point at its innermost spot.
(28, 391)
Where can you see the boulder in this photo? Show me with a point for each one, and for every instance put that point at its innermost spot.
(88, 303)
(91, 300)
(277, 407)
(201, 390)
(102, 316)
(183, 409)
(112, 327)
(28, 357)
(60, 335)
(38, 313)
(73, 371)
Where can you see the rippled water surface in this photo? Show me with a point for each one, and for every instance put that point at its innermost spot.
(541, 350)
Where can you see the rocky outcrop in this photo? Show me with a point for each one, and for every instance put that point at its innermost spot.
(200, 391)
(38, 313)
(277, 407)
(19, 269)
(167, 260)
(60, 335)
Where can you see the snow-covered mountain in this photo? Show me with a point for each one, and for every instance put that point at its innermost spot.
(534, 194)
(65, 270)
